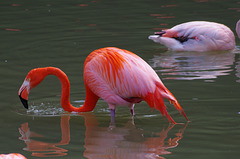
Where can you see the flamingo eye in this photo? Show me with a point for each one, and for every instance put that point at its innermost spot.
(29, 79)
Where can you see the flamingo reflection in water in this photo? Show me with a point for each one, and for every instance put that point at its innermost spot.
(107, 142)
(128, 141)
(192, 65)
(237, 67)
(44, 149)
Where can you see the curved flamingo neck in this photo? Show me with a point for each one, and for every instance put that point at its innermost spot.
(91, 98)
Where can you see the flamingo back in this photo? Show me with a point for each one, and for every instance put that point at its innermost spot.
(199, 36)
(120, 77)
(114, 74)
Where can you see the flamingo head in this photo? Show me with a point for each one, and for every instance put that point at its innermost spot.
(33, 78)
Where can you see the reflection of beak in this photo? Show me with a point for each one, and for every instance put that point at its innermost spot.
(23, 93)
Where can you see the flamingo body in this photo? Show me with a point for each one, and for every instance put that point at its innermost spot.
(114, 80)
(238, 28)
(118, 76)
(196, 36)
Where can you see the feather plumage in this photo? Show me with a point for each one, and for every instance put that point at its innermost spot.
(198, 36)
(123, 78)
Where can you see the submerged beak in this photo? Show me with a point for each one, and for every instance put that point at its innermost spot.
(23, 93)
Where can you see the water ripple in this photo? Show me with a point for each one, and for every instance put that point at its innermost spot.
(193, 65)
(45, 110)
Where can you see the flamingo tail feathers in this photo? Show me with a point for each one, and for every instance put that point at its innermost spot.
(155, 100)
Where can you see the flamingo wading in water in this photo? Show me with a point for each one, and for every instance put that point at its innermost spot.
(197, 36)
(118, 76)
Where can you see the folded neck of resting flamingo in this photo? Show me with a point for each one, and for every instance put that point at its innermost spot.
(91, 98)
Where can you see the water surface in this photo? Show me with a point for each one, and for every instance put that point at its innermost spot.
(62, 34)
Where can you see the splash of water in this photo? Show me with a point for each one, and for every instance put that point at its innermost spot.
(45, 110)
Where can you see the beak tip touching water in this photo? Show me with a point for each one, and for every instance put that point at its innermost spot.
(24, 102)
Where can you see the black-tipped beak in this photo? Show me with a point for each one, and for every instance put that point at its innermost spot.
(24, 102)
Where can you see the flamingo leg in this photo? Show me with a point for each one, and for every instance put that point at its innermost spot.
(112, 115)
(131, 107)
(112, 108)
(112, 123)
(132, 112)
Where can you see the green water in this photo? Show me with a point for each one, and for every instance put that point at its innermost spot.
(62, 34)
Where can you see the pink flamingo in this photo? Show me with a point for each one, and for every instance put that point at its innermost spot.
(118, 76)
(238, 29)
(197, 36)
(12, 156)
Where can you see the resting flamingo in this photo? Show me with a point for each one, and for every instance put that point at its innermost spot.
(238, 28)
(12, 156)
(197, 36)
(118, 76)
